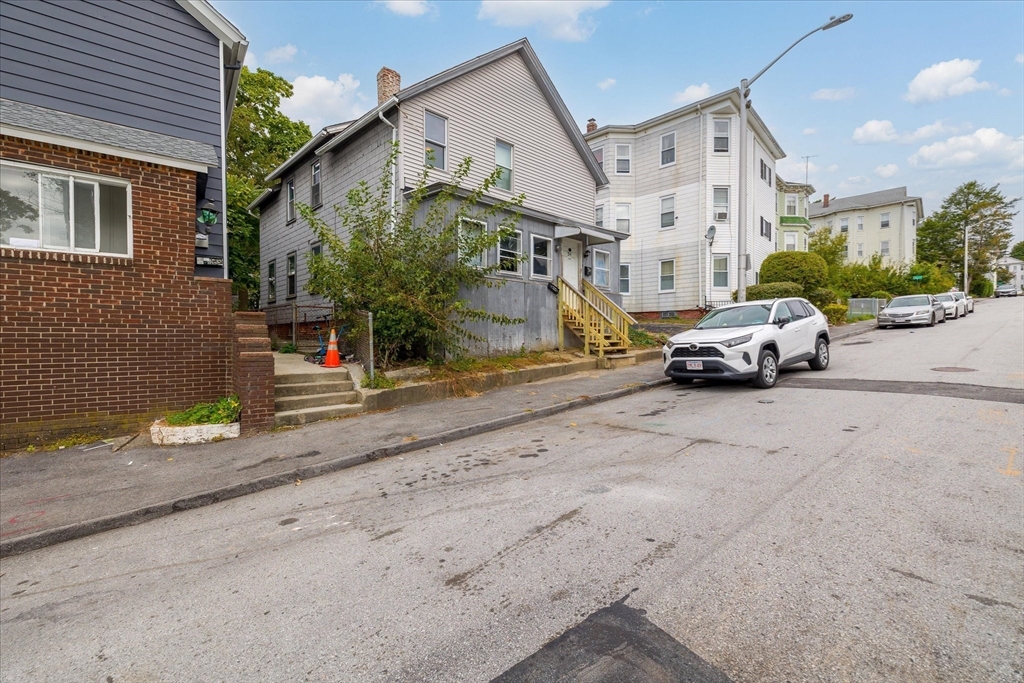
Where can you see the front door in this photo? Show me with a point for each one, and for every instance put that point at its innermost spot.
(571, 259)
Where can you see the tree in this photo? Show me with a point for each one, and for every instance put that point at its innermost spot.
(410, 271)
(259, 140)
(1018, 251)
(829, 247)
(986, 213)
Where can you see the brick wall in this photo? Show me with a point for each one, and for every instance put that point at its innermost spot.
(254, 371)
(100, 344)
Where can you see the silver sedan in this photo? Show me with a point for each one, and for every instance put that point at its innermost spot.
(914, 309)
(954, 307)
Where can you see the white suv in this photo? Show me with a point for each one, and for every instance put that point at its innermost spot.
(749, 341)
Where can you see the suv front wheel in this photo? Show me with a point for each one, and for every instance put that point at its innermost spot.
(767, 370)
(820, 360)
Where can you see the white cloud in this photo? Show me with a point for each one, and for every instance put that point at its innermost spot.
(1020, 58)
(810, 131)
(561, 19)
(875, 131)
(944, 80)
(855, 183)
(794, 169)
(692, 94)
(279, 55)
(250, 61)
(929, 131)
(887, 171)
(983, 147)
(832, 168)
(606, 83)
(407, 8)
(833, 94)
(1004, 92)
(319, 101)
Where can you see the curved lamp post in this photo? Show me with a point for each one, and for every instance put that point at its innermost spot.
(741, 241)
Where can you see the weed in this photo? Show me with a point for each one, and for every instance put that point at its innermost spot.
(380, 381)
(287, 348)
(224, 411)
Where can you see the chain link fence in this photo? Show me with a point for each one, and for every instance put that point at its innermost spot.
(294, 324)
(360, 337)
(861, 307)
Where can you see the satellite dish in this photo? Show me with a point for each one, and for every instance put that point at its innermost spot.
(711, 233)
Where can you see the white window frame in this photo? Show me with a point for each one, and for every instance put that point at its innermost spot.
(628, 158)
(315, 184)
(549, 258)
(289, 198)
(844, 225)
(662, 212)
(502, 252)
(599, 216)
(480, 260)
(715, 213)
(860, 249)
(883, 220)
(628, 218)
(629, 279)
(727, 272)
(661, 275)
(443, 145)
(860, 223)
(796, 204)
(272, 280)
(715, 136)
(598, 153)
(72, 177)
(883, 248)
(786, 241)
(511, 159)
(607, 271)
(661, 150)
(291, 273)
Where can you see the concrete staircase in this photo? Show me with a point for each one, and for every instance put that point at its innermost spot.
(302, 397)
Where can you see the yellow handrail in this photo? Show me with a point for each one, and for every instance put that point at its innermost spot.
(594, 314)
(618, 320)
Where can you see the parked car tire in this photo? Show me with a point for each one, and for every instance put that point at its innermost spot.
(883, 327)
(767, 370)
(931, 321)
(820, 360)
(683, 380)
(943, 318)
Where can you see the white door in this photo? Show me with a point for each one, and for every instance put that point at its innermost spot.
(571, 258)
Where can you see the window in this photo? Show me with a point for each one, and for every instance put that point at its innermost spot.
(48, 209)
(602, 268)
(314, 184)
(885, 248)
(846, 250)
(782, 311)
(721, 203)
(844, 225)
(799, 310)
(624, 278)
(766, 228)
(667, 279)
(668, 211)
(290, 206)
(315, 249)
(599, 216)
(860, 248)
(272, 280)
(668, 149)
(540, 263)
(790, 241)
(720, 271)
(508, 253)
(860, 223)
(766, 172)
(622, 159)
(468, 231)
(884, 223)
(503, 163)
(599, 155)
(805, 242)
(791, 203)
(622, 217)
(290, 275)
(721, 135)
(435, 139)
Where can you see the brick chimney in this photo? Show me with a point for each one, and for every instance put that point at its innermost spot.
(824, 202)
(591, 125)
(389, 82)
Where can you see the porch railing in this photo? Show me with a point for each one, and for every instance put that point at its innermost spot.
(585, 315)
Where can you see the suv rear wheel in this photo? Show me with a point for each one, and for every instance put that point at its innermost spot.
(820, 360)
(767, 370)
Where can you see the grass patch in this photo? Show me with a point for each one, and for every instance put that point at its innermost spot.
(287, 348)
(224, 411)
(380, 381)
(859, 318)
(67, 442)
(456, 367)
(643, 339)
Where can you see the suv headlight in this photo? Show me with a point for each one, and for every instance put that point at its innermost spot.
(736, 341)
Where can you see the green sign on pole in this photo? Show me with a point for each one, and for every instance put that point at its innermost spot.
(917, 277)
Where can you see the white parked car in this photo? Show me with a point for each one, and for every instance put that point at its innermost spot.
(967, 299)
(954, 307)
(749, 341)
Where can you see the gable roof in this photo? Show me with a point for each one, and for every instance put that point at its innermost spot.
(895, 195)
(525, 50)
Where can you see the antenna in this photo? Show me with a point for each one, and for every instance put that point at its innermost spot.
(807, 165)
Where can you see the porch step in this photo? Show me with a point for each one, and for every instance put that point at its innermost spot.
(318, 376)
(309, 388)
(306, 415)
(289, 403)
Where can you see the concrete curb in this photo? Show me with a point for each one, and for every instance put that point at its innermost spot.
(70, 532)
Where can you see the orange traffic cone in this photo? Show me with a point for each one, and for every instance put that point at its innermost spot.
(333, 358)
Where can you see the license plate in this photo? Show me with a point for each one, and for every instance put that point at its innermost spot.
(694, 365)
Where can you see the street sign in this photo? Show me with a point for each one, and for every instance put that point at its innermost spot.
(917, 277)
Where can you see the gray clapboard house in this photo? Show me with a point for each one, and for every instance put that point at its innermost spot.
(500, 109)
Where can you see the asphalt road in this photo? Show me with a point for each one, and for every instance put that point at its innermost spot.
(800, 534)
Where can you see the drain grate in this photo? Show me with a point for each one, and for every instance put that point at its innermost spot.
(952, 369)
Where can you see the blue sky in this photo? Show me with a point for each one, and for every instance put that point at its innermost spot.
(926, 95)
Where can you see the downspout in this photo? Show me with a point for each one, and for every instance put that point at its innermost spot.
(394, 167)
(702, 257)
(223, 159)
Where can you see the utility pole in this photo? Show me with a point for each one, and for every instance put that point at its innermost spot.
(807, 166)
(967, 231)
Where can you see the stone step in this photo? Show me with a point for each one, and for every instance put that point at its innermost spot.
(315, 401)
(307, 415)
(317, 376)
(311, 388)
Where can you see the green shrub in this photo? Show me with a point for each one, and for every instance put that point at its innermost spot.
(805, 268)
(287, 348)
(773, 290)
(836, 313)
(983, 288)
(823, 296)
(224, 411)
(881, 294)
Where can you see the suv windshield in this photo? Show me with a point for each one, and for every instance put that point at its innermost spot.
(901, 301)
(736, 316)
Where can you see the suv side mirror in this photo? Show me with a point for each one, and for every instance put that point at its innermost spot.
(783, 321)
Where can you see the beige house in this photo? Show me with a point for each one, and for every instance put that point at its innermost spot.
(794, 206)
(883, 222)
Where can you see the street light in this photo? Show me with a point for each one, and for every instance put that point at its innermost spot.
(741, 242)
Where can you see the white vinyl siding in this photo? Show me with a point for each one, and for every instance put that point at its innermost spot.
(623, 159)
(540, 257)
(624, 278)
(667, 276)
(668, 149)
(602, 268)
(435, 140)
(622, 217)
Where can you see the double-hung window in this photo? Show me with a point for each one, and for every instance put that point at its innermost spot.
(720, 271)
(540, 257)
(668, 211)
(884, 220)
(599, 156)
(622, 217)
(470, 231)
(623, 156)
(860, 248)
(884, 248)
(291, 276)
(844, 225)
(766, 228)
(766, 172)
(624, 280)
(45, 208)
(435, 140)
(599, 216)
(791, 203)
(721, 135)
(860, 223)
(272, 280)
(290, 198)
(509, 249)
(668, 149)
(316, 249)
(721, 203)
(503, 163)
(790, 241)
(314, 184)
(667, 276)
(602, 268)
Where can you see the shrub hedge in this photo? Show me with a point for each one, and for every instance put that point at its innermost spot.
(823, 296)
(774, 290)
(805, 268)
(836, 313)
(881, 294)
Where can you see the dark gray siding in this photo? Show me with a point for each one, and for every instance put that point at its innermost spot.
(145, 64)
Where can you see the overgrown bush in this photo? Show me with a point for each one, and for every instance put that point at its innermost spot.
(836, 313)
(773, 290)
(823, 296)
(983, 288)
(224, 411)
(805, 268)
(880, 294)
(287, 347)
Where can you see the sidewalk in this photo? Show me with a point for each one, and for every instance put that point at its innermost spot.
(48, 498)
